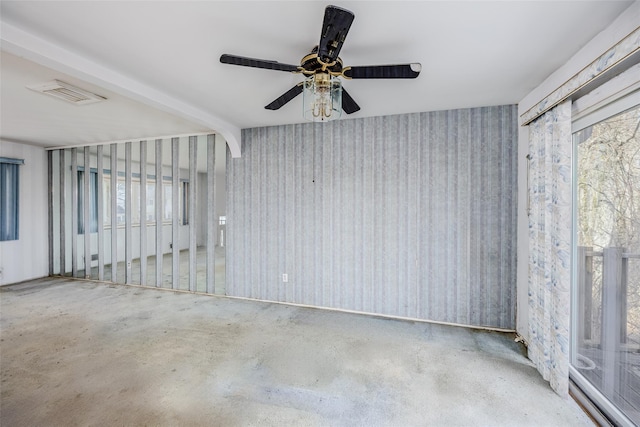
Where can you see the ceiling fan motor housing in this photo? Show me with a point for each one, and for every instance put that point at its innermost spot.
(312, 64)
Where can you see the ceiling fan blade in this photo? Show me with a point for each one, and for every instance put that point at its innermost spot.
(256, 63)
(400, 71)
(285, 97)
(349, 106)
(335, 27)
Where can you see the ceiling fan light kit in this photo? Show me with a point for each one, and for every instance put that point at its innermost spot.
(324, 98)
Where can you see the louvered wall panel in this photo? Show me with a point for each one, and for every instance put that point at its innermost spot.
(410, 215)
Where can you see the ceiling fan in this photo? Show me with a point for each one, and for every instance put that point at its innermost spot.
(322, 67)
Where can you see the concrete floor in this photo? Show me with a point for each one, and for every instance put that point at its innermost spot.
(78, 353)
(167, 271)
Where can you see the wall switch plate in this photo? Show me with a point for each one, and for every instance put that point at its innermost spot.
(285, 277)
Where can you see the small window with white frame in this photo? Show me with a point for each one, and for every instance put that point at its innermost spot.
(10, 198)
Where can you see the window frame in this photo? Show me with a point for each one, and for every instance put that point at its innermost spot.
(10, 199)
(149, 210)
(588, 112)
(93, 199)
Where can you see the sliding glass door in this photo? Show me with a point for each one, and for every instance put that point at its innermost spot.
(606, 311)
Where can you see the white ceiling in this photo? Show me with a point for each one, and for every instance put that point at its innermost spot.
(158, 63)
(31, 117)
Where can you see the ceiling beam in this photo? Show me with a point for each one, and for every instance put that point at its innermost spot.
(26, 45)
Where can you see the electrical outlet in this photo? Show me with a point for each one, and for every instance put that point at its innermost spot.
(285, 277)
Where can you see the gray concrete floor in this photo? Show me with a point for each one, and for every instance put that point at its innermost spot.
(167, 271)
(78, 353)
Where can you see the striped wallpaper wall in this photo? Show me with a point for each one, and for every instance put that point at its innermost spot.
(410, 215)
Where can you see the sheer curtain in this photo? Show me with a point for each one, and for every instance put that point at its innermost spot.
(550, 219)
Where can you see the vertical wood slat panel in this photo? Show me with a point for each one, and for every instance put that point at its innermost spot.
(159, 213)
(193, 178)
(434, 232)
(143, 212)
(87, 212)
(128, 228)
(74, 212)
(233, 208)
(50, 202)
(211, 214)
(114, 212)
(235, 212)
(63, 218)
(175, 181)
(511, 258)
(100, 196)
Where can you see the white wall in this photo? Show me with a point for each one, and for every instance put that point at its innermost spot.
(620, 28)
(28, 257)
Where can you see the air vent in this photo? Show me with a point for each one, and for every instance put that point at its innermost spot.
(66, 92)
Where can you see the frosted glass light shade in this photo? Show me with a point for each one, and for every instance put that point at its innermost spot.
(322, 98)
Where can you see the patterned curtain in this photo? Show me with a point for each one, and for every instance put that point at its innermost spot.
(550, 244)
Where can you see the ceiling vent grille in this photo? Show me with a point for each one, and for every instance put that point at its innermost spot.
(67, 92)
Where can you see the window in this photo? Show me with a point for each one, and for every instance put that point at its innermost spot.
(151, 201)
(606, 334)
(167, 198)
(93, 201)
(9, 198)
(137, 210)
(184, 187)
